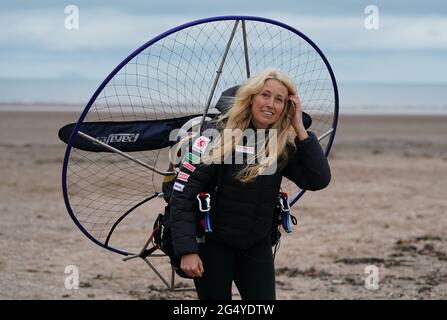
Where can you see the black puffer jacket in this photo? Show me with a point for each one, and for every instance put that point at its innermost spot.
(241, 214)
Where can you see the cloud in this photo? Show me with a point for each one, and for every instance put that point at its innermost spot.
(101, 29)
(348, 33)
(98, 29)
(39, 40)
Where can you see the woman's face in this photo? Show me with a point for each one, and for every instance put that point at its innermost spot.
(268, 104)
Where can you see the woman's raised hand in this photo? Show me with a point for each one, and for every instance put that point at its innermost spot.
(297, 118)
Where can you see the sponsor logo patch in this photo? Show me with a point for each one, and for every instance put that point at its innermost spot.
(200, 144)
(119, 138)
(244, 149)
(183, 176)
(193, 158)
(179, 187)
(188, 166)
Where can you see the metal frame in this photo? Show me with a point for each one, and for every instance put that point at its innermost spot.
(171, 284)
(247, 63)
(219, 72)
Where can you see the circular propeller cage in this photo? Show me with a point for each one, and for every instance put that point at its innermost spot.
(176, 75)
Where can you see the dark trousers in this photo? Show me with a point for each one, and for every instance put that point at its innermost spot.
(252, 270)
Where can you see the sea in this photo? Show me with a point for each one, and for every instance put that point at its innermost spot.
(354, 98)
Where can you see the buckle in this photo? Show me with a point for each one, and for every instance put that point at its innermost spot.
(283, 202)
(204, 201)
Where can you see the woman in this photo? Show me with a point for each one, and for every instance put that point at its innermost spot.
(239, 247)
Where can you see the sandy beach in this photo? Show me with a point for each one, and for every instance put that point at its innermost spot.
(386, 206)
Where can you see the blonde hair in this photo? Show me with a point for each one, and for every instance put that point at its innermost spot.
(239, 116)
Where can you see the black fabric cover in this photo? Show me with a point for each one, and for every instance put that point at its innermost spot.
(127, 136)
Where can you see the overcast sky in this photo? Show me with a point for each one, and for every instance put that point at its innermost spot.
(409, 46)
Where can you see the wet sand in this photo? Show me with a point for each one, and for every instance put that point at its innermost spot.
(386, 206)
